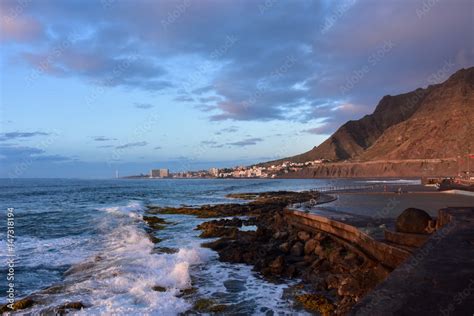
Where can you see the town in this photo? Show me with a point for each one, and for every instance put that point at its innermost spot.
(253, 171)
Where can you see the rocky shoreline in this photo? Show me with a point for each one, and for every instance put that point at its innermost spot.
(332, 277)
(328, 277)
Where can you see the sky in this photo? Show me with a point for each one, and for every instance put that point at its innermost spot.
(91, 87)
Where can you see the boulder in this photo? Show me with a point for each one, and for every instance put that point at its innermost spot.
(413, 220)
(297, 249)
(309, 246)
(303, 236)
(319, 251)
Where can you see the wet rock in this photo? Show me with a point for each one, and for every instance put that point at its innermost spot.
(155, 223)
(413, 220)
(187, 292)
(303, 236)
(218, 308)
(297, 249)
(63, 309)
(310, 245)
(18, 305)
(219, 231)
(154, 239)
(55, 289)
(217, 244)
(208, 306)
(316, 303)
(74, 305)
(165, 250)
(159, 288)
(234, 222)
(203, 304)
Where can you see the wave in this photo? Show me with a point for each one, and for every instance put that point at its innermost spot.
(55, 252)
(133, 209)
(119, 279)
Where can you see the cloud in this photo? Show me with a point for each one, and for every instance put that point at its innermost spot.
(332, 115)
(202, 90)
(17, 27)
(246, 142)
(103, 139)
(211, 144)
(157, 147)
(143, 106)
(230, 129)
(208, 142)
(11, 154)
(286, 58)
(18, 135)
(129, 145)
(211, 98)
(184, 98)
(98, 67)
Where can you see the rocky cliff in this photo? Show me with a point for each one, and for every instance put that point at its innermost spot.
(435, 122)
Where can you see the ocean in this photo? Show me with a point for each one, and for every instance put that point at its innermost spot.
(88, 240)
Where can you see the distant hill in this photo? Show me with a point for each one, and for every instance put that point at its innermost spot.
(436, 122)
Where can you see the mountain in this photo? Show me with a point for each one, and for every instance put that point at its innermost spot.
(435, 122)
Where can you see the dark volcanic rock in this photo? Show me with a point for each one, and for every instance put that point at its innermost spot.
(279, 250)
(413, 220)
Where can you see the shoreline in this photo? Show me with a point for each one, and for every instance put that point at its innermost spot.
(333, 275)
(322, 265)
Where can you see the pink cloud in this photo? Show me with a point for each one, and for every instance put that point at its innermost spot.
(19, 28)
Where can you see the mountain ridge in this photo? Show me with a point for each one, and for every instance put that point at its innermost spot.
(431, 122)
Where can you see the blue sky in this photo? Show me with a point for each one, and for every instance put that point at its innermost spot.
(88, 87)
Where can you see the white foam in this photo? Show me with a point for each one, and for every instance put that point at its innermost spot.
(122, 280)
(133, 209)
(53, 252)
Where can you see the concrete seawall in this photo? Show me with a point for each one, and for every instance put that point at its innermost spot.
(435, 279)
(388, 255)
